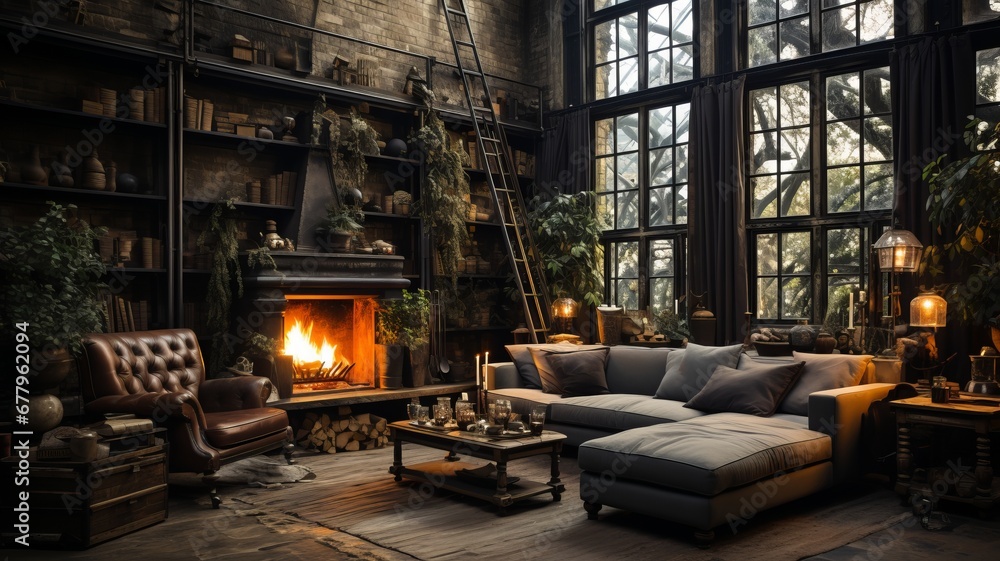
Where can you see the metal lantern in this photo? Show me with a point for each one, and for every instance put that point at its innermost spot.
(898, 251)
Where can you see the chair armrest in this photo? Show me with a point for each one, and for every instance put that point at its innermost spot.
(231, 394)
(839, 413)
(160, 407)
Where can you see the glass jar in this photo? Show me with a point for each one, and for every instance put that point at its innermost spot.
(939, 389)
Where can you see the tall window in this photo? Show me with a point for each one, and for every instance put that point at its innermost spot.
(781, 30)
(988, 85)
(858, 141)
(616, 147)
(616, 54)
(667, 162)
(810, 257)
(780, 157)
(624, 275)
(649, 47)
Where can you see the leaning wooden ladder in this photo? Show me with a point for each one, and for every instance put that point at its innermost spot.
(495, 155)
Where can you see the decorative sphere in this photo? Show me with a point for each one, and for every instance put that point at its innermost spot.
(396, 147)
(45, 412)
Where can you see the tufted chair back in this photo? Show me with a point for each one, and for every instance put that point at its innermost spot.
(162, 361)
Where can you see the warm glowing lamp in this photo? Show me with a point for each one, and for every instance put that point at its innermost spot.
(563, 312)
(928, 310)
(898, 251)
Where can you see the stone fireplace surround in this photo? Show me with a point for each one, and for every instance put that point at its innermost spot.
(302, 276)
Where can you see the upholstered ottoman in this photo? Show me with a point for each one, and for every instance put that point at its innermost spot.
(707, 471)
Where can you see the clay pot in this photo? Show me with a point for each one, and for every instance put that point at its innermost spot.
(111, 177)
(62, 175)
(284, 58)
(32, 171)
(94, 175)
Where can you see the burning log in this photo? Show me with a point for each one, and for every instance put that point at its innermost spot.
(344, 432)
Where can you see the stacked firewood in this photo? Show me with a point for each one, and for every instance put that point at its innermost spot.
(343, 431)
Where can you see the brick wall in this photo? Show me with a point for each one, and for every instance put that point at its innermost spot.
(515, 37)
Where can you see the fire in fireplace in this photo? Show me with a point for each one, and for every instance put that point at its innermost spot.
(331, 342)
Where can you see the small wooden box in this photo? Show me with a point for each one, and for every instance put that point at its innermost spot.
(80, 504)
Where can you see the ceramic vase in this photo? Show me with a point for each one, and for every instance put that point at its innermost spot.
(32, 171)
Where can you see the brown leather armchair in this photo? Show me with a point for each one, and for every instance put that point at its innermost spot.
(160, 375)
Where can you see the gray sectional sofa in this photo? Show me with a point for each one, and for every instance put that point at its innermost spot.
(766, 431)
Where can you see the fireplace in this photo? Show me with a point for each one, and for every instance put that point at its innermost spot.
(330, 341)
(320, 307)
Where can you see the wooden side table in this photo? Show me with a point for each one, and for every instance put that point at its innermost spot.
(980, 415)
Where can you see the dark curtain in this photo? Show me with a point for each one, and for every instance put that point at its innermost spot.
(933, 94)
(717, 252)
(565, 155)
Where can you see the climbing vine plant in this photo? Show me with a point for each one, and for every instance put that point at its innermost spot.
(444, 197)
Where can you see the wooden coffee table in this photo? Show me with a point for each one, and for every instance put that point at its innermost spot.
(501, 450)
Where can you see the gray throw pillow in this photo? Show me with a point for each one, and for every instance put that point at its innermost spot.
(580, 373)
(520, 355)
(549, 377)
(687, 376)
(756, 391)
(823, 372)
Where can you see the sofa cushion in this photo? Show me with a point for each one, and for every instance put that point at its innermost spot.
(756, 391)
(823, 372)
(706, 455)
(551, 381)
(520, 355)
(685, 377)
(617, 412)
(636, 369)
(579, 373)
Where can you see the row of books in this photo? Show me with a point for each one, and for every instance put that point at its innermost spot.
(198, 113)
(277, 189)
(524, 162)
(142, 104)
(122, 315)
(124, 248)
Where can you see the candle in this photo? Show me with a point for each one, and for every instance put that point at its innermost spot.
(675, 307)
(486, 371)
(861, 297)
(850, 310)
(478, 372)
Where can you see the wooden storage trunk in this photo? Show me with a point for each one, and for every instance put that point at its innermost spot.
(80, 504)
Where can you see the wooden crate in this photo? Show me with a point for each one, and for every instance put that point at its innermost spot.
(80, 504)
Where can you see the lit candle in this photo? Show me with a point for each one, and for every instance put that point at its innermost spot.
(850, 310)
(479, 373)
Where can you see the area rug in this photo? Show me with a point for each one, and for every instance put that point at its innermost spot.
(354, 494)
(262, 471)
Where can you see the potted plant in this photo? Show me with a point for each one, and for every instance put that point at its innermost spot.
(50, 281)
(965, 202)
(399, 323)
(567, 236)
(343, 221)
(671, 326)
(443, 199)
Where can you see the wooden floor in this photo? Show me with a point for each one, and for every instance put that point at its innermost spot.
(354, 510)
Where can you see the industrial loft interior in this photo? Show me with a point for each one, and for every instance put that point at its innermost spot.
(442, 279)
